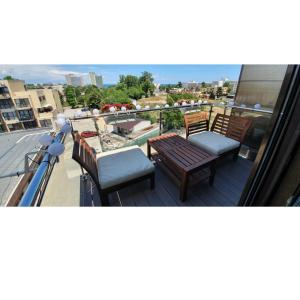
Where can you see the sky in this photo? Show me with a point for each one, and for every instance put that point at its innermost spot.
(162, 73)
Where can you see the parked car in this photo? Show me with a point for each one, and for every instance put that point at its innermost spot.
(87, 134)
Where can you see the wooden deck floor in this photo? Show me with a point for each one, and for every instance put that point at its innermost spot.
(226, 191)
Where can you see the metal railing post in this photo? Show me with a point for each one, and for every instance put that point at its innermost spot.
(210, 111)
(160, 122)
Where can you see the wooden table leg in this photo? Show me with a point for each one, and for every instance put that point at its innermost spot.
(184, 186)
(212, 173)
(148, 150)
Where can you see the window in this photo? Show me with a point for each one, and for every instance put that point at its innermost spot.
(5, 104)
(42, 98)
(22, 102)
(25, 114)
(3, 90)
(46, 123)
(30, 124)
(9, 116)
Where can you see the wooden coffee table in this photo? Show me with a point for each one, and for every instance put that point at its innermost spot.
(183, 161)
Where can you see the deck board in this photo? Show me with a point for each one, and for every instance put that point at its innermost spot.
(229, 182)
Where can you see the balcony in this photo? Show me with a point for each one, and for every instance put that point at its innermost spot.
(26, 115)
(79, 190)
(4, 96)
(11, 120)
(6, 105)
(22, 104)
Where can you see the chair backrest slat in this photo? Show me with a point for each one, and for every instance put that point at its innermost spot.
(231, 126)
(85, 156)
(195, 122)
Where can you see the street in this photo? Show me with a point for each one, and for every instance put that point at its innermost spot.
(13, 147)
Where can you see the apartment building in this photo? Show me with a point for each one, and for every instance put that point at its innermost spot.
(74, 80)
(96, 80)
(24, 109)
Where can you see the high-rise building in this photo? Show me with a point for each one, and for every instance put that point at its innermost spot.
(74, 80)
(96, 80)
(24, 109)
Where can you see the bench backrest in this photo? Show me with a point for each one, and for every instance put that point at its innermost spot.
(85, 156)
(195, 122)
(233, 127)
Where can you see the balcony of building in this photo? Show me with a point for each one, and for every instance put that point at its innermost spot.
(10, 117)
(22, 103)
(26, 115)
(79, 189)
(6, 105)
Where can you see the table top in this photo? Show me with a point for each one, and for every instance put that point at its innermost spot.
(180, 152)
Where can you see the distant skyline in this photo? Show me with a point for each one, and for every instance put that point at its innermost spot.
(163, 74)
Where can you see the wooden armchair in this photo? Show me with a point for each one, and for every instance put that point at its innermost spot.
(195, 123)
(225, 137)
(112, 171)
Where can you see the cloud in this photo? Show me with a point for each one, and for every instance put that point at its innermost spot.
(37, 73)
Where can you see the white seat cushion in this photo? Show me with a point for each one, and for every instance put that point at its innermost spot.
(212, 142)
(119, 166)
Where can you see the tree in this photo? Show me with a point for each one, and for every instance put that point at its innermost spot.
(90, 96)
(173, 119)
(219, 92)
(170, 100)
(8, 77)
(71, 96)
(229, 86)
(113, 95)
(146, 82)
(179, 84)
(203, 84)
(212, 95)
(129, 81)
(135, 92)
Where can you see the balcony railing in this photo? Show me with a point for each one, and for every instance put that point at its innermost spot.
(4, 96)
(27, 118)
(22, 105)
(33, 196)
(115, 136)
(36, 188)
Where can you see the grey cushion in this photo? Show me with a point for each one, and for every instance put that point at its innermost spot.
(122, 165)
(213, 143)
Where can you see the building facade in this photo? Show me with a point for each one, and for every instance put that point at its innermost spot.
(191, 85)
(74, 80)
(96, 80)
(25, 109)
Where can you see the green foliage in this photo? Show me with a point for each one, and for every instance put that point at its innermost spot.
(219, 92)
(129, 81)
(113, 95)
(182, 96)
(151, 116)
(70, 94)
(212, 95)
(146, 82)
(203, 84)
(170, 100)
(229, 86)
(8, 78)
(90, 96)
(173, 119)
(135, 92)
(179, 84)
(136, 87)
